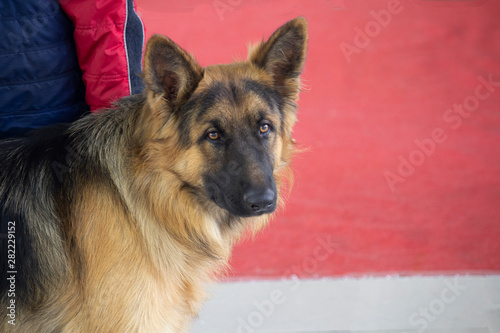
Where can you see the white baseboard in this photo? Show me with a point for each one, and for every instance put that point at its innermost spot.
(444, 304)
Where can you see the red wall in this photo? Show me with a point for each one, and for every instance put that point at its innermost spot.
(402, 174)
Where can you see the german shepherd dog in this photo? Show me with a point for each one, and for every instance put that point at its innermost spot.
(113, 223)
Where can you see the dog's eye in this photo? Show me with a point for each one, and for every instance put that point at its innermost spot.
(264, 128)
(213, 135)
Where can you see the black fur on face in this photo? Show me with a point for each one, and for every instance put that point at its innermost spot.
(239, 125)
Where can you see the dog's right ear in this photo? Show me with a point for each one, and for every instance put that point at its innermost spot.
(169, 71)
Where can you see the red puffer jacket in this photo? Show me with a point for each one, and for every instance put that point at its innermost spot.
(109, 38)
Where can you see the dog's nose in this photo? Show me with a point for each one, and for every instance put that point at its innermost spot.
(260, 201)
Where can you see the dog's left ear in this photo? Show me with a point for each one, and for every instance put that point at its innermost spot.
(170, 71)
(283, 56)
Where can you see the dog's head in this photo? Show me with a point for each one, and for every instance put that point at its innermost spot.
(224, 131)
